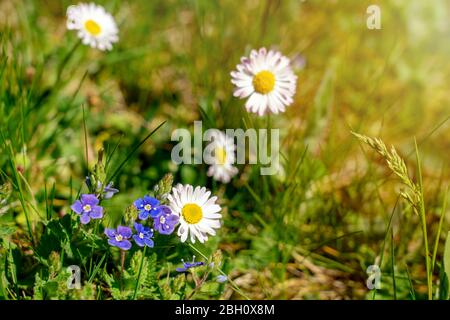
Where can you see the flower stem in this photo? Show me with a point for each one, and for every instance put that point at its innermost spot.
(122, 260)
(441, 220)
(232, 283)
(122, 263)
(198, 284)
(139, 273)
(65, 61)
(424, 226)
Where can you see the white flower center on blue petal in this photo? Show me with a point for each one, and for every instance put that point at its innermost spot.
(162, 220)
(87, 208)
(119, 237)
(148, 207)
(141, 235)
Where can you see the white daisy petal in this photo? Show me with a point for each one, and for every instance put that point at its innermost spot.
(183, 232)
(212, 209)
(208, 229)
(213, 215)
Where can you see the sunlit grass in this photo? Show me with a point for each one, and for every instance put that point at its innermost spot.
(309, 232)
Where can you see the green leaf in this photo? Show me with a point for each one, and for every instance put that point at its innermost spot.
(133, 150)
(179, 283)
(447, 261)
(6, 231)
(321, 112)
(56, 232)
(443, 285)
(38, 293)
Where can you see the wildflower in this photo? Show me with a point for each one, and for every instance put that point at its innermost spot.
(119, 238)
(222, 168)
(144, 236)
(221, 278)
(165, 221)
(88, 208)
(107, 193)
(199, 214)
(267, 79)
(95, 26)
(189, 265)
(298, 62)
(147, 206)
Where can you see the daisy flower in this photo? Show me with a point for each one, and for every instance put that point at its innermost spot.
(198, 212)
(95, 26)
(267, 80)
(222, 168)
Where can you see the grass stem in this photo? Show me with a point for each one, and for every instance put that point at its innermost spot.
(139, 273)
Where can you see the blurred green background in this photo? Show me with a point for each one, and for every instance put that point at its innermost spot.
(307, 233)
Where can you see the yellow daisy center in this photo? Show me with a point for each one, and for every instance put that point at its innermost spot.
(119, 237)
(221, 155)
(264, 82)
(148, 207)
(87, 208)
(92, 27)
(192, 213)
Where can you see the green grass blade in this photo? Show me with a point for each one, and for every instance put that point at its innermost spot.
(438, 235)
(135, 148)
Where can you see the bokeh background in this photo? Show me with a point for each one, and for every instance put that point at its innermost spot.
(309, 232)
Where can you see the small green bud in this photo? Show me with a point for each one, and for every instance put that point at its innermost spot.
(164, 186)
(5, 192)
(55, 261)
(179, 282)
(217, 258)
(131, 214)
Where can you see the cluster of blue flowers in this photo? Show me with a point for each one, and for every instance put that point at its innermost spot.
(120, 237)
(164, 221)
